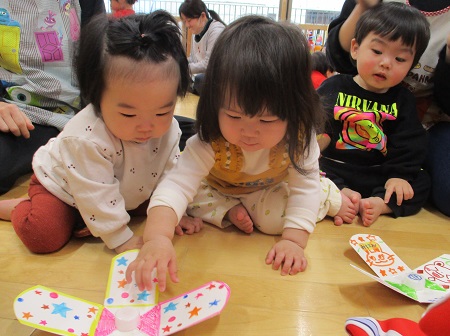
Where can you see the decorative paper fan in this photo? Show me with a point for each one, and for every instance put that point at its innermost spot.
(427, 283)
(126, 310)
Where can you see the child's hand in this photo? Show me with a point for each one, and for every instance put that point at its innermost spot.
(402, 189)
(157, 252)
(188, 225)
(289, 256)
(134, 242)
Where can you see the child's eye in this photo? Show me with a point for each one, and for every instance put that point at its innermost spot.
(128, 115)
(234, 116)
(375, 51)
(268, 120)
(400, 59)
(163, 114)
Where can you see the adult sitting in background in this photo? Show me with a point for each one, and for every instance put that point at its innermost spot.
(38, 86)
(206, 26)
(429, 81)
(321, 68)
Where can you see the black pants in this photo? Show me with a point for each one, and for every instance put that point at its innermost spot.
(16, 153)
(369, 182)
(198, 83)
(187, 126)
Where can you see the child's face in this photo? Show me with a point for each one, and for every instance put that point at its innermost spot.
(119, 5)
(139, 110)
(250, 133)
(381, 63)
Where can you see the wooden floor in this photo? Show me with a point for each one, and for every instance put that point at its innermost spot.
(316, 302)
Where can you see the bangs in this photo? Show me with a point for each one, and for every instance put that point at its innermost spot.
(402, 32)
(261, 74)
(395, 21)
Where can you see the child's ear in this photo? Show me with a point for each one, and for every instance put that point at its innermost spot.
(354, 47)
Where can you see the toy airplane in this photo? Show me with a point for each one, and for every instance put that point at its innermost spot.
(126, 309)
(427, 283)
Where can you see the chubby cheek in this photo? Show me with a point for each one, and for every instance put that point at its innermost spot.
(365, 67)
(229, 132)
(163, 127)
(275, 134)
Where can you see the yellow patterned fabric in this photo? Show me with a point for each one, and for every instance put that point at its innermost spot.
(227, 176)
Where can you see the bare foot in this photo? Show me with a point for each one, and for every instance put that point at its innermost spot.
(238, 215)
(7, 206)
(349, 207)
(188, 225)
(371, 208)
(351, 193)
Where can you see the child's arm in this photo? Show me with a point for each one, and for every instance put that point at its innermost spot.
(300, 214)
(157, 251)
(324, 141)
(289, 252)
(135, 242)
(167, 206)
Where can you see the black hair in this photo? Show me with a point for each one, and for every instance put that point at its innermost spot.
(394, 21)
(152, 38)
(262, 64)
(193, 9)
(320, 63)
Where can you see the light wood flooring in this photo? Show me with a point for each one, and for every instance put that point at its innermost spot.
(316, 302)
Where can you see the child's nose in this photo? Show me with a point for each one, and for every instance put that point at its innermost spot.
(249, 129)
(386, 62)
(146, 125)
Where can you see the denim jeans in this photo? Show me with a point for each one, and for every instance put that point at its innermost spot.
(438, 166)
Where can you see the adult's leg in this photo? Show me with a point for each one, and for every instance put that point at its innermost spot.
(16, 154)
(438, 165)
(198, 83)
(44, 223)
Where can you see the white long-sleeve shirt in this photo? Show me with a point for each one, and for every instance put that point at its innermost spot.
(180, 186)
(87, 167)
